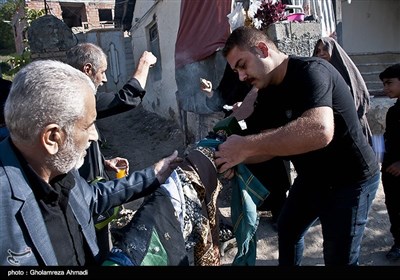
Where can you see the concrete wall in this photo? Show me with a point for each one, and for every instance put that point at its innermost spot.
(160, 96)
(377, 114)
(295, 38)
(112, 42)
(371, 35)
(371, 26)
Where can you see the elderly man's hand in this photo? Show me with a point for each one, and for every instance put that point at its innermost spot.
(165, 166)
(116, 164)
(149, 58)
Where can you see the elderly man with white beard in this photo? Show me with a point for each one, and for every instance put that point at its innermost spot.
(46, 208)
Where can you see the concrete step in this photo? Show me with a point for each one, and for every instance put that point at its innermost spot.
(371, 65)
(374, 85)
(376, 67)
(371, 76)
(387, 57)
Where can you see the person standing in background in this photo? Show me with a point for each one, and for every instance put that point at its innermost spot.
(391, 157)
(329, 49)
(91, 60)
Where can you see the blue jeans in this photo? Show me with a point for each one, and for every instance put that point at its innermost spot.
(342, 213)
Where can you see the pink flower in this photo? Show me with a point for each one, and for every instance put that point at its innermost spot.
(269, 12)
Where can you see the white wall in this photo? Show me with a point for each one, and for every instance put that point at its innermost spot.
(160, 96)
(371, 26)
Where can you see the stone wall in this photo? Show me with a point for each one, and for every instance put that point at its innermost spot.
(295, 38)
(377, 114)
(50, 38)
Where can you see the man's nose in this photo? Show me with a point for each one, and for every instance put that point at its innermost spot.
(242, 76)
(104, 80)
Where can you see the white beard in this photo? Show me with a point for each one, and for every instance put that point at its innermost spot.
(67, 158)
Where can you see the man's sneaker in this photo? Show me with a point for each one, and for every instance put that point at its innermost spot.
(393, 254)
(225, 232)
(226, 238)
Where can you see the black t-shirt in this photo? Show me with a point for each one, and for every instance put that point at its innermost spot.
(392, 136)
(310, 83)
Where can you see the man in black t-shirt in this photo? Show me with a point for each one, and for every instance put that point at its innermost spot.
(273, 174)
(317, 128)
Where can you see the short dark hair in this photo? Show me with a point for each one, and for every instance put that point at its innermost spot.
(246, 37)
(78, 56)
(391, 72)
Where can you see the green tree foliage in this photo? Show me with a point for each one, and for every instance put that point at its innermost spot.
(7, 11)
(7, 44)
(18, 61)
(31, 15)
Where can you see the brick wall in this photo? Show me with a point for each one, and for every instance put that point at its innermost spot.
(91, 15)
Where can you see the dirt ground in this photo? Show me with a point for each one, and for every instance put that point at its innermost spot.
(143, 138)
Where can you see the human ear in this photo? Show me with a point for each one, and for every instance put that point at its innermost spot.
(88, 69)
(52, 138)
(262, 49)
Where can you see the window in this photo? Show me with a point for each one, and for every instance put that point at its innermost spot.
(155, 49)
(105, 15)
(73, 14)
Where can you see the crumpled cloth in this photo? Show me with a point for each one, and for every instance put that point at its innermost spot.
(247, 194)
